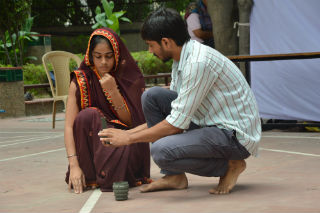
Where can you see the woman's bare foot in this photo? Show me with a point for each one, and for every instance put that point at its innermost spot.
(227, 182)
(167, 182)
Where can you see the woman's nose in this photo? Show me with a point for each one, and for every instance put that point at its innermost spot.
(104, 60)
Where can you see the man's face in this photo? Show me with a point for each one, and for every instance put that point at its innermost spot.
(159, 50)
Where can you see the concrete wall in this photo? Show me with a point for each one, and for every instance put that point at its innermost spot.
(12, 99)
(131, 35)
(39, 48)
(42, 106)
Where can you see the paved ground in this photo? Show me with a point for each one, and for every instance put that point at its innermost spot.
(285, 178)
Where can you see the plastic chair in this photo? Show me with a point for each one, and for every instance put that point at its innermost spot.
(60, 64)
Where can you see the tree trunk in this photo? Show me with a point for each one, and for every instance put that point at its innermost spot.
(244, 29)
(223, 14)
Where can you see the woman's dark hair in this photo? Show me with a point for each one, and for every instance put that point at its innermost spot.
(93, 43)
(165, 23)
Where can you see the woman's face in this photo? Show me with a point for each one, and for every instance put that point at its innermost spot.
(103, 58)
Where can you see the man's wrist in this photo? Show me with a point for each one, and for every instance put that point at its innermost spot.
(130, 138)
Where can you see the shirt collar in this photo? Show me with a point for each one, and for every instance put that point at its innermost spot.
(185, 52)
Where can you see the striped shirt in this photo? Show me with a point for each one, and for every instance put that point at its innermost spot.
(212, 91)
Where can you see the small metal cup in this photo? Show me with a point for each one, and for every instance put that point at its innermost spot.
(120, 190)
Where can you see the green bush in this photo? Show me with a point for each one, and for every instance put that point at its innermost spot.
(34, 74)
(147, 62)
(73, 64)
(8, 65)
(150, 64)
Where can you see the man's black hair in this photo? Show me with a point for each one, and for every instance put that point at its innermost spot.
(165, 23)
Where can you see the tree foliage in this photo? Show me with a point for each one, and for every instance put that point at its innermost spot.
(15, 15)
(108, 18)
(82, 12)
(60, 12)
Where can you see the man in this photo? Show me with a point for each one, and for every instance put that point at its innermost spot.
(206, 124)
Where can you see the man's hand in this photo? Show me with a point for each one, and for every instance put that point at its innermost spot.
(114, 137)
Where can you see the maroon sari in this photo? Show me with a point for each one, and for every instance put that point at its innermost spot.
(104, 165)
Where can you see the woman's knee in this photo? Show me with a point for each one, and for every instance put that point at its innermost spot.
(86, 115)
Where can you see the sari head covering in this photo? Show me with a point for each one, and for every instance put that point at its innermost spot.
(104, 165)
(113, 41)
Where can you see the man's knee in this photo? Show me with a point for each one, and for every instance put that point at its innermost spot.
(150, 94)
(159, 154)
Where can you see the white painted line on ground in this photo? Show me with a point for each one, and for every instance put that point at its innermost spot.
(292, 137)
(30, 155)
(91, 202)
(10, 137)
(30, 132)
(29, 141)
(290, 152)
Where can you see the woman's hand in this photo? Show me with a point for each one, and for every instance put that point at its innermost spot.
(114, 97)
(77, 179)
(108, 83)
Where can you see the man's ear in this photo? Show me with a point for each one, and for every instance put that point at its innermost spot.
(166, 42)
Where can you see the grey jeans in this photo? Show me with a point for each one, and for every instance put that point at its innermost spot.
(201, 151)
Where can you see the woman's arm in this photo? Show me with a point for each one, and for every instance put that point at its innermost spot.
(76, 178)
(203, 34)
(120, 107)
(109, 85)
(71, 113)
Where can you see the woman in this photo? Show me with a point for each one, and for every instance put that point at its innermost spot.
(199, 22)
(107, 85)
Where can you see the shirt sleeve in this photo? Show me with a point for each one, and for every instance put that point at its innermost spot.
(197, 79)
(193, 22)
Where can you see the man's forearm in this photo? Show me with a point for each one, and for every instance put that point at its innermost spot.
(138, 128)
(154, 133)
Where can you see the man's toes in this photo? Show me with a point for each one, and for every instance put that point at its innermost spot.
(224, 192)
(212, 191)
(219, 191)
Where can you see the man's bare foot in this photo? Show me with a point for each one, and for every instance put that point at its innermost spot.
(167, 182)
(227, 182)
